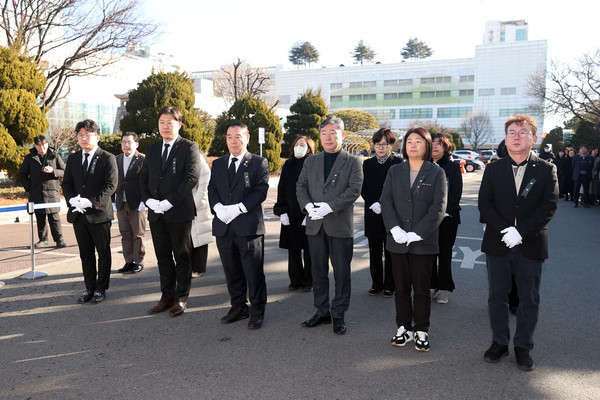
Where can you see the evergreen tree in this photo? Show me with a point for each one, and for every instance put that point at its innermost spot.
(255, 114)
(416, 50)
(363, 53)
(303, 53)
(157, 91)
(555, 138)
(357, 120)
(586, 133)
(307, 113)
(21, 82)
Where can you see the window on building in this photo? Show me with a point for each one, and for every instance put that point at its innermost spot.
(405, 95)
(390, 96)
(335, 86)
(467, 78)
(355, 84)
(390, 82)
(335, 99)
(369, 97)
(356, 97)
(427, 95)
(486, 92)
(415, 113)
(466, 92)
(369, 83)
(453, 112)
(443, 79)
(505, 91)
(442, 93)
(507, 112)
(383, 114)
(404, 82)
(427, 81)
(521, 34)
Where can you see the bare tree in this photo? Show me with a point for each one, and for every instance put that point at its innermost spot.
(73, 38)
(238, 79)
(570, 90)
(63, 137)
(478, 128)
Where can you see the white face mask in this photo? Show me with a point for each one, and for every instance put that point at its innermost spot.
(300, 151)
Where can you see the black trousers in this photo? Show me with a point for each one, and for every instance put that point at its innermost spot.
(242, 258)
(441, 274)
(199, 258)
(413, 271)
(585, 181)
(92, 238)
(382, 278)
(173, 249)
(299, 272)
(53, 221)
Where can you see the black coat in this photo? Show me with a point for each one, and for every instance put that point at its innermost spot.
(293, 236)
(374, 175)
(42, 187)
(455, 186)
(561, 163)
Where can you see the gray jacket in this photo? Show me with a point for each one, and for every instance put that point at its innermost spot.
(419, 209)
(340, 191)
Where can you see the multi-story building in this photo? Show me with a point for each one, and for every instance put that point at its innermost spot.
(402, 94)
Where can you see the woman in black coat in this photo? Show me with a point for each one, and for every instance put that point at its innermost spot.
(441, 275)
(375, 170)
(293, 230)
(560, 160)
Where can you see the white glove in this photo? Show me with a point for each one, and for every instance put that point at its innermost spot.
(114, 207)
(399, 235)
(142, 207)
(233, 211)
(84, 203)
(511, 237)
(79, 210)
(446, 215)
(285, 219)
(154, 205)
(221, 212)
(312, 213)
(304, 222)
(322, 209)
(412, 237)
(165, 205)
(74, 201)
(376, 207)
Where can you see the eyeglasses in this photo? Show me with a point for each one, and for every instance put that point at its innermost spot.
(85, 135)
(512, 134)
(381, 145)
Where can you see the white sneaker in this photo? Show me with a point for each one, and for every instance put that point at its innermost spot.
(402, 337)
(196, 275)
(442, 297)
(421, 341)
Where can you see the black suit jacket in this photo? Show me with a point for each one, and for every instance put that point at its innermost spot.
(129, 181)
(98, 185)
(249, 187)
(174, 182)
(500, 206)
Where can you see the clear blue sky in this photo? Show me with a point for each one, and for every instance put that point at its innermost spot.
(205, 34)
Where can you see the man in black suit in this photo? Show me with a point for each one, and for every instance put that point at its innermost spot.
(170, 172)
(131, 211)
(89, 181)
(517, 199)
(238, 186)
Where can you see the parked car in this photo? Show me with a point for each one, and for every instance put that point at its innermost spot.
(470, 165)
(488, 156)
(467, 154)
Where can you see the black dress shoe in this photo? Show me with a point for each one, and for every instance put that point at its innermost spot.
(235, 314)
(255, 321)
(136, 268)
(126, 268)
(388, 293)
(317, 320)
(98, 296)
(374, 291)
(85, 297)
(339, 327)
(293, 288)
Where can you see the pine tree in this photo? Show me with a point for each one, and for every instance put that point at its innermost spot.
(362, 53)
(416, 50)
(307, 113)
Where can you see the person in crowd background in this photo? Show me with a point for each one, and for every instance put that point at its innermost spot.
(293, 222)
(39, 175)
(560, 161)
(547, 154)
(202, 224)
(594, 189)
(375, 170)
(582, 172)
(441, 275)
(413, 204)
(596, 178)
(569, 184)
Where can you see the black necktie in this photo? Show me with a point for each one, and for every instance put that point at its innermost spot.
(85, 164)
(231, 171)
(165, 154)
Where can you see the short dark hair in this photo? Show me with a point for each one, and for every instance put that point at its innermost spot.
(521, 119)
(234, 124)
(384, 133)
(424, 133)
(171, 111)
(132, 134)
(87, 124)
(444, 140)
(40, 139)
(309, 142)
